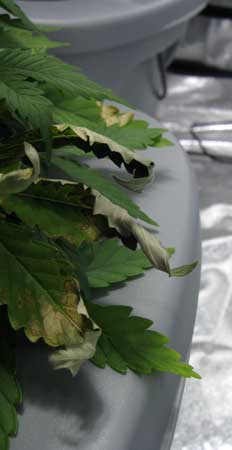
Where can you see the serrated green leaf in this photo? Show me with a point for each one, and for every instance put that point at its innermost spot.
(27, 260)
(48, 69)
(134, 134)
(14, 9)
(128, 344)
(57, 210)
(45, 297)
(14, 37)
(107, 262)
(94, 180)
(27, 101)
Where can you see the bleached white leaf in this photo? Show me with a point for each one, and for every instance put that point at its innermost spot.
(115, 151)
(73, 356)
(136, 184)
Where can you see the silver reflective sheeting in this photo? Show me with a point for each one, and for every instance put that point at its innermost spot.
(205, 420)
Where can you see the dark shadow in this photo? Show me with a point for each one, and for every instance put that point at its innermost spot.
(162, 176)
(74, 397)
(100, 293)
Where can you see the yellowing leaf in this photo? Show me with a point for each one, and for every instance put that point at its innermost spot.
(59, 327)
(59, 210)
(112, 115)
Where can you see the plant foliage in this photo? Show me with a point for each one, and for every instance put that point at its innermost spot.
(66, 228)
(128, 343)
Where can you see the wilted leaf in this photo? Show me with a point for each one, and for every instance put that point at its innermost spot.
(44, 298)
(102, 147)
(74, 172)
(135, 184)
(119, 219)
(19, 180)
(60, 327)
(74, 356)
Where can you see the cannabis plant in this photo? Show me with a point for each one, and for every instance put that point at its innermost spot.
(66, 229)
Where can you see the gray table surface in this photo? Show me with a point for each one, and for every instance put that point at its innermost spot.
(99, 409)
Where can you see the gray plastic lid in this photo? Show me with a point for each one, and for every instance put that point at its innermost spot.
(107, 23)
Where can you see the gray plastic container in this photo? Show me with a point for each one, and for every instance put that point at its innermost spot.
(117, 42)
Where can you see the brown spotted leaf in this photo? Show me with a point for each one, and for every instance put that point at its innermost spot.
(33, 273)
(59, 210)
(113, 116)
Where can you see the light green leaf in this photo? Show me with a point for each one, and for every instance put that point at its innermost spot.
(163, 142)
(126, 343)
(57, 210)
(184, 270)
(93, 179)
(19, 180)
(14, 37)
